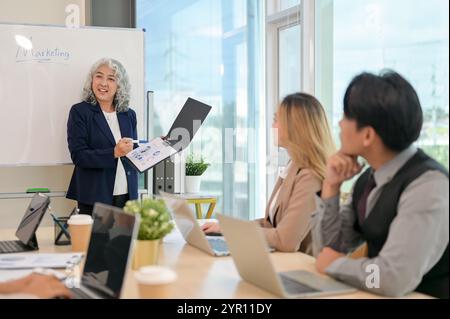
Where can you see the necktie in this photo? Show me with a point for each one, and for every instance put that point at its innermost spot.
(362, 204)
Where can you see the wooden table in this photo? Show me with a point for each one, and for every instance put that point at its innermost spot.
(200, 275)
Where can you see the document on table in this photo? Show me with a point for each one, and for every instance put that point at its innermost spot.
(37, 260)
(149, 154)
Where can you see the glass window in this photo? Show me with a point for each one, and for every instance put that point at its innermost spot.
(211, 50)
(410, 37)
(274, 6)
(289, 54)
(286, 4)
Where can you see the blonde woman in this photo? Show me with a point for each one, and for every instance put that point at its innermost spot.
(304, 132)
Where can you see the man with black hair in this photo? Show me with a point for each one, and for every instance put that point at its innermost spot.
(399, 206)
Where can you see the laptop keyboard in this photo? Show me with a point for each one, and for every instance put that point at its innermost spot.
(218, 245)
(12, 246)
(293, 287)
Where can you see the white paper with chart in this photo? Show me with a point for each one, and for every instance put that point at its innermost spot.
(149, 154)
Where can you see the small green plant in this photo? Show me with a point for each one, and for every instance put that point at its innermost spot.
(155, 218)
(195, 167)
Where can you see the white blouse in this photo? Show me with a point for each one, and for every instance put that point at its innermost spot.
(120, 184)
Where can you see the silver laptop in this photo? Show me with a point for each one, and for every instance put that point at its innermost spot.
(190, 229)
(248, 249)
(109, 253)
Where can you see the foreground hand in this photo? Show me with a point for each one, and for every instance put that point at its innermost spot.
(211, 228)
(123, 147)
(38, 285)
(14, 286)
(340, 167)
(326, 257)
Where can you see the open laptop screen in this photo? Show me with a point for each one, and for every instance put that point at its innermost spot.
(109, 249)
(32, 218)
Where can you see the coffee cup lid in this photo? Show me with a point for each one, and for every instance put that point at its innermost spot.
(80, 220)
(155, 275)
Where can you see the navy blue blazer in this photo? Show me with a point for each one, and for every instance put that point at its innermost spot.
(91, 146)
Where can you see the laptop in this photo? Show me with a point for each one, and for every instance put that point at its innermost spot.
(26, 232)
(109, 253)
(248, 249)
(190, 229)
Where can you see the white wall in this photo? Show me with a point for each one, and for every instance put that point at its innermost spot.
(39, 11)
(18, 179)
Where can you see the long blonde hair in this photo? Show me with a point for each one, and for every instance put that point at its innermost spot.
(309, 140)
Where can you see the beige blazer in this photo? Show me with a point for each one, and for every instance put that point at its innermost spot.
(290, 230)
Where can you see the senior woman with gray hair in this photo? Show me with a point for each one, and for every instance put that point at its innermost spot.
(100, 131)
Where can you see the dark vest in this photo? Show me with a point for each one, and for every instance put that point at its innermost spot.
(375, 228)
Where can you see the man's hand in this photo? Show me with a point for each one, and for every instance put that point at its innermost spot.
(326, 257)
(340, 167)
(123, 147)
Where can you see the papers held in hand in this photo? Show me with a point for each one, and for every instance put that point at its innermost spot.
(180, 135)
(148, 155)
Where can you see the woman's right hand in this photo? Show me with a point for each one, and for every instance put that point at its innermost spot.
(123, 147)
(211, 228)
(340, 167)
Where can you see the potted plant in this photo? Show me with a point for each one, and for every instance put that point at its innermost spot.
(194, 171)
(155, 224)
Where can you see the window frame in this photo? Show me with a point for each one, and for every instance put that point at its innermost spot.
(303, 15)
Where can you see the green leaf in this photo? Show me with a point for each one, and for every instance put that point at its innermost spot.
(195, 167)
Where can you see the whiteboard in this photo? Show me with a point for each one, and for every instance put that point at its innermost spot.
(39, 86)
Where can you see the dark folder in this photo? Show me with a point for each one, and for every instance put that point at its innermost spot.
(169, 172)
(159, 178)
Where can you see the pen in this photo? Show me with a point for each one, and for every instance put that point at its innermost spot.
(60, 225)
(139, 141)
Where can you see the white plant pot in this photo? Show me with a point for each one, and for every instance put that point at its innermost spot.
(193, 184)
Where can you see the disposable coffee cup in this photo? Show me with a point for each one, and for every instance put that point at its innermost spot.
(80, 227)
(155, 282)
